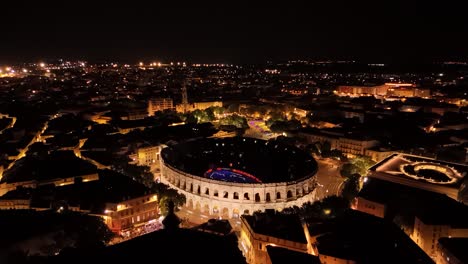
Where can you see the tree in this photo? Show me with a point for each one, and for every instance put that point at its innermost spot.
(362, 164)
(218, 110)
(328, 208)
(347, 170)
(235, 120)
(90, 231)
(351, 187)
(358, 165)
(165, 193)
(141, 174)
(170, 195)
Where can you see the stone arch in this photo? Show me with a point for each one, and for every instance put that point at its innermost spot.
(215, 193)
(268, 197)
(177, 183)
(206, 209)
(198, 206)
(225, 194)
(215, 210)
(246, 196)
(289, 194)
(225, 213)
(235, 213)
(207, 191)
(306, 188)
(191, 187)
(184, 185)
(298, 192)
(278, 195)
(190, 203)
(198, 189)
(235, 196)
(257, 197)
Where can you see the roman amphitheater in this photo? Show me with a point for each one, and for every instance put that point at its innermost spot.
(232, 176)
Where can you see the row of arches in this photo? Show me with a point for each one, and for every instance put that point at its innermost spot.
(215, 210)
(291, 193)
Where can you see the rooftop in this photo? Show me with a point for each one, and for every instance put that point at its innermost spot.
(456, 246)
(215, 226)
(288, 227)
(58, 164)
(279, 255)
(368, 239)
(198, 247)
(430, 207)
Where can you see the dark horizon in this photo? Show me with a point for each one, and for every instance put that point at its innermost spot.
(374, 33)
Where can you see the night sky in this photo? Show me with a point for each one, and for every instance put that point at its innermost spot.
(234, 33)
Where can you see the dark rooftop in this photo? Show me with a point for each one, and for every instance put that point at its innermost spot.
(279, 255)
(59, 164)
(190, 246)
(103, 157)
(430, 207)
(215, 226)
(112, 187)
(456, 246)
(368, 239)
(18, 193)
(288, 227)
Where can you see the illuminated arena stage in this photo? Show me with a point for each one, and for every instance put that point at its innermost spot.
(227, 177)
(231, 175)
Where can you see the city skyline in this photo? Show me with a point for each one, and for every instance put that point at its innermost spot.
(375, 33)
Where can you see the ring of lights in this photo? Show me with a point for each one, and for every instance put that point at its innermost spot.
(230, 199)
(440, 174)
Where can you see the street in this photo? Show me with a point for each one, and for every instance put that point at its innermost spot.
(328, 178)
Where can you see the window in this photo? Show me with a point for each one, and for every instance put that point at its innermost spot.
(257, 197)
(235, 196)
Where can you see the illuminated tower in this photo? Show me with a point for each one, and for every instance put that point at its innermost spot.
(184, 97)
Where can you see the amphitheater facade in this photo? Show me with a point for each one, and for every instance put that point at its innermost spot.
(230, 199)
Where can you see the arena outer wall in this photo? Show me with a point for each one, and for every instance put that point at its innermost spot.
(230, 200)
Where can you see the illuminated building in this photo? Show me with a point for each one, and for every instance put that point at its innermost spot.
(197, 106)
(387, 89)
(135, 212)
(148, 156)
(378, 154)
(134, 114)
(428, 228)
(349, 145)
(420, 172)
(159, 104)
(269, 229)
